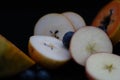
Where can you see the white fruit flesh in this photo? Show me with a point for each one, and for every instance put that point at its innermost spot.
(53, 24)
(76, 20)
(50, 47)
(103, 66)
(89, 40)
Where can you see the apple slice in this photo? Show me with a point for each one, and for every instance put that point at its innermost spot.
(48, 51)
(53, 24)
(89, 40)
(103, 66)
(76, 20)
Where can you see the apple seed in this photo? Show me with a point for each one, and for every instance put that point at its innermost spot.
(49, 45)
(54, 34)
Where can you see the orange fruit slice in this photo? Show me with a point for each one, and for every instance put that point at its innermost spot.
(109, 18)
(12, 59)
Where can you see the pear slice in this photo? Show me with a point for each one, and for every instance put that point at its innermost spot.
(48, 51)
(103, 66)
(89, 40)
(12, 59)
(76, 20)
(53, 24)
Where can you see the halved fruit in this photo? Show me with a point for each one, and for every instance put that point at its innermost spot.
(48, 51)
(103, 66)
(12, 59)
(109, 19)
(76, 20)
(87, 41)
(53, 24)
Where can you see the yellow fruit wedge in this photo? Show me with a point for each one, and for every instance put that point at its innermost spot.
(12, 59)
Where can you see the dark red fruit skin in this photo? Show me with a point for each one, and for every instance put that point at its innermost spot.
(89, 77)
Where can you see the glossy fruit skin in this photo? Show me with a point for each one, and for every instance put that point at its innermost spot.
(66, 38)
(27, 75)
(43, 75)
(34, 73)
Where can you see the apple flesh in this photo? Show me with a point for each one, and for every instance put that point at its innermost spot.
(53, 24)
(48, 51)
(103, 66)
(89, 40)
(76, 20)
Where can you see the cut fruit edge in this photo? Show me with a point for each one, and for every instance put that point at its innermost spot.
(38, 54)
(101, 61)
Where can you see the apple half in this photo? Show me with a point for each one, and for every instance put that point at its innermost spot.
(53, 24)
(89, 40)
(103, 66)
(48, 51)
(76, 20)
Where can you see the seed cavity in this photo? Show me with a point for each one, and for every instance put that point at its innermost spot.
(106, 21)
(91, 47)
(109, 67)
(54, 33)
(49, 45)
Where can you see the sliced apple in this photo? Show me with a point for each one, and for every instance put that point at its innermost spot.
(103, 66)
(12, 59)
(48, 51)
(76, 20)
(53, 24)
(89, 40)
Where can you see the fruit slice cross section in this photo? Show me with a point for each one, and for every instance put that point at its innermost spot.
(48, 51)
(53, 24)
(103, 66)
(89, 40)
(108, 18)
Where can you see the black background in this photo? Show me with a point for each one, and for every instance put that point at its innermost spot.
(17, 20)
